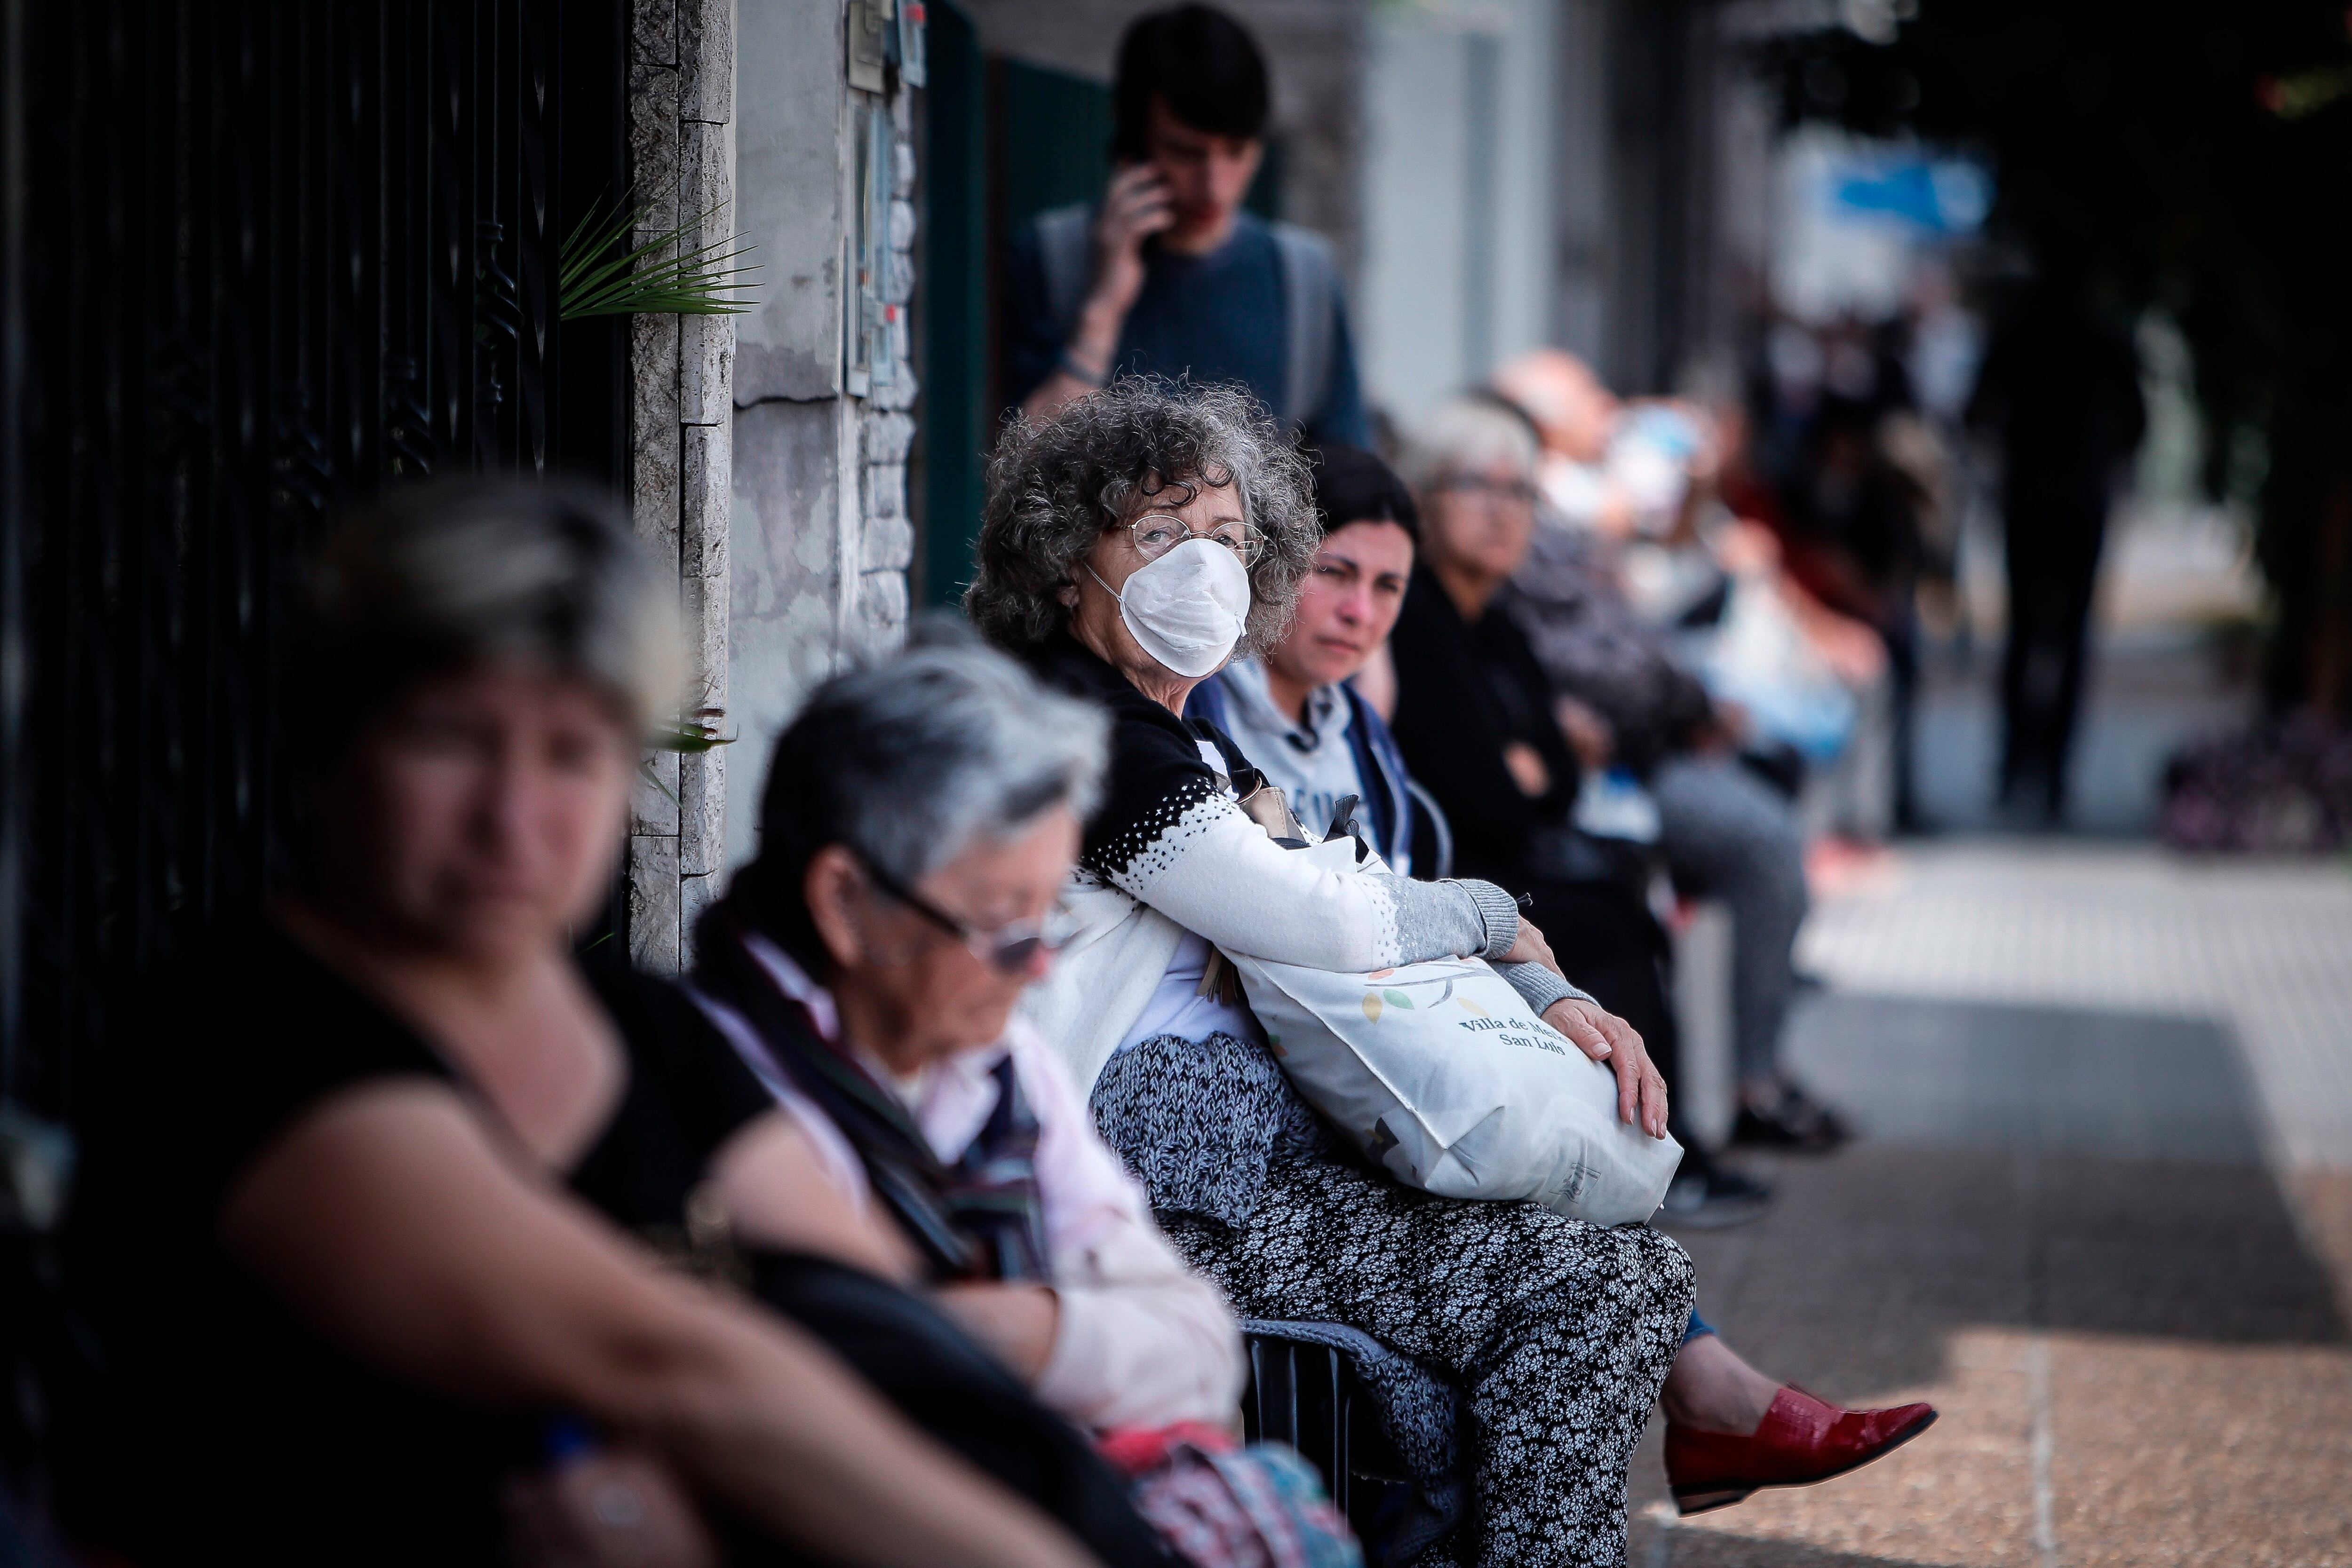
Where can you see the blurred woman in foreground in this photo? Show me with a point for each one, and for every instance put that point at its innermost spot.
(327, 1238)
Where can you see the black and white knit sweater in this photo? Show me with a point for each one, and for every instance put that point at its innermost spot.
(1169, 852)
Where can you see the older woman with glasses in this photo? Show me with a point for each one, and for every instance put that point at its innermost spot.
(918, 820)
(920, 817)
(1129, 546)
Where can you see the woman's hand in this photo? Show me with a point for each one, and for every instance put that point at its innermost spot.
(1135, 207)
(1604, 1037)
(1531, 948)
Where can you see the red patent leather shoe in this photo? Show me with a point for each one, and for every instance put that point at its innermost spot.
(1801, 1441)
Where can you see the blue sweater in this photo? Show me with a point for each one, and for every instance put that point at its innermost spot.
(1388, 809)
(1219, 317)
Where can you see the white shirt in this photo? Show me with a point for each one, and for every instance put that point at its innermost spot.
(1140, 1341)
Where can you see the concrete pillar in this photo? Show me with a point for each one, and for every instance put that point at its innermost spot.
(819, 540)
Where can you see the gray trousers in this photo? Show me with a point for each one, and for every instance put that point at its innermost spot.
(1727, 834)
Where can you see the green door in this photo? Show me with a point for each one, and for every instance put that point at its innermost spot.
(1004, 140)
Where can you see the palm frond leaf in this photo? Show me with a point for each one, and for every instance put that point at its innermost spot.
(599, 273)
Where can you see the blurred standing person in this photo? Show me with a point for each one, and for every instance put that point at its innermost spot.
(1168, 275)
(2060, 389)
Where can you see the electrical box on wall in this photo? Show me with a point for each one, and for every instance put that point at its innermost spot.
(873, 39)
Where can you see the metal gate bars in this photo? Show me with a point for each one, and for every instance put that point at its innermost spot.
(266, 257)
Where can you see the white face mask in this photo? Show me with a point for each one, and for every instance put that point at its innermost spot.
(1186, 609)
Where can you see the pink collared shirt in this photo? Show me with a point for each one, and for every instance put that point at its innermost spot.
(1140, 1340)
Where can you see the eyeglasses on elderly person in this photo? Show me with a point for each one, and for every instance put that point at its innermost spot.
(1011, 949)
(1161, 526)
(1487, 487)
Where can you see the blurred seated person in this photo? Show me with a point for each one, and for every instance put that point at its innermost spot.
(1619, 472)
(1475, 723)
(1295, 709)
(326, 1234)
(1322, 744)
(918, 818)
(1169, 275)
(1633, 711)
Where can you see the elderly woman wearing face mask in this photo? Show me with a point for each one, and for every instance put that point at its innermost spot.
(1129, 546)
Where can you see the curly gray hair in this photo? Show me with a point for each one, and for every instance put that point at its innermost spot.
(1054, 486)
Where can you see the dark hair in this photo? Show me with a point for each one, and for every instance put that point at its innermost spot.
(1351, 486)
(1202, 62)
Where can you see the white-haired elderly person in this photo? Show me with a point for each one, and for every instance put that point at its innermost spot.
(1129, 546)
(920, 819)
(339, 1228)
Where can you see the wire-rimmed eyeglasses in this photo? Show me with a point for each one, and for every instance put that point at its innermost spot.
(1516, 492)
(1157, 532)
(1008, 949)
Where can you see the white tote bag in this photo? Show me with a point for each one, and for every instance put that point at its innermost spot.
(1444, 1079)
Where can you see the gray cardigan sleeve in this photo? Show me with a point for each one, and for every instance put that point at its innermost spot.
(1539, 988)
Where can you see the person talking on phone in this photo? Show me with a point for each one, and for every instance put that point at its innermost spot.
(1167, 274)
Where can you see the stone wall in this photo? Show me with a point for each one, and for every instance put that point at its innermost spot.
(682, 165)
(769, 470)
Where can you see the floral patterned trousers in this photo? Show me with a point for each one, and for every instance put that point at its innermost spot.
(1559, 1332)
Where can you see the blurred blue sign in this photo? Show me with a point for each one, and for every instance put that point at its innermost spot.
(1940, 196)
